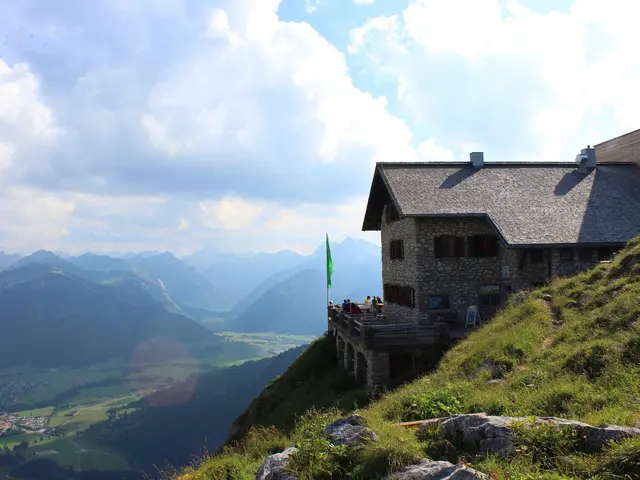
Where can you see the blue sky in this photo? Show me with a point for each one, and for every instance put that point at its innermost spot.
(255, 125)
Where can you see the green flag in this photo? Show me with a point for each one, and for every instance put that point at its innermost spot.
(329, 264)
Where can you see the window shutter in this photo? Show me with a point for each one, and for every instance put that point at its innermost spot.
(458, 246)
(437, 247)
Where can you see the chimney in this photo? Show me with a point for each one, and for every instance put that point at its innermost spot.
(477, 159)
(586, 159)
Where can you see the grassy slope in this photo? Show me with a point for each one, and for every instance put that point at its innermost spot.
(313, 380)
(571, 349)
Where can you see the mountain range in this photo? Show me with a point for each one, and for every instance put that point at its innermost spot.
(94, 307)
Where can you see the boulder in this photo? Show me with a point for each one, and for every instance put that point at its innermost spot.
(489, 433)
(493, 434)
(595, 438)
(349, 431)
(275, 466)
(432, 470)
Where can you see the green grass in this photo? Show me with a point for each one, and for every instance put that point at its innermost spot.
(38, 412)
(313, 380)
(570, 349)
(267, 343)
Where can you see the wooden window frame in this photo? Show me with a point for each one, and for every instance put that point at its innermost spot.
(396, 249)
(449, 246)
(536, 256)
(391, 213)
(445, 296)
(402, 295)
(566, 255)
(492, 250)
(605, 254)
(493, 296)
(582, 253)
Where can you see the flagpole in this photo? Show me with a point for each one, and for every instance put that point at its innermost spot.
(326, 254)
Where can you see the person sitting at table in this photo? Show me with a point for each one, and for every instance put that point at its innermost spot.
(374, 302)
(345, 306)
(355, 309)
(367, 301)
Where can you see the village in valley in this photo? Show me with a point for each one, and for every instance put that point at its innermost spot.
(15, 423)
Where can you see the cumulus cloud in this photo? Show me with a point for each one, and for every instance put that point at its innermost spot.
(175, 124)
(497, 75)
(189, 102)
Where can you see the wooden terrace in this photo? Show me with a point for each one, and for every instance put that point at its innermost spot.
(374, 331)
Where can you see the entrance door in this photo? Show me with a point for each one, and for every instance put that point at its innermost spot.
(489, 300)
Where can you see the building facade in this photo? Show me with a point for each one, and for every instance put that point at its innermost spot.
(442, 266)
(468, 234)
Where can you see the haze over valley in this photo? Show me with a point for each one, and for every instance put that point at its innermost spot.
(95, 338)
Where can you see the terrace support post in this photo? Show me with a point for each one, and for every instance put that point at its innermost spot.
(378, 371)
(367, 335)
(352, 329)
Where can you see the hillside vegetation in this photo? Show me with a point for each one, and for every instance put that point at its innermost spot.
(570, 349)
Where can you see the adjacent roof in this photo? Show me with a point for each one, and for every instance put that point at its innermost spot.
(529, 204)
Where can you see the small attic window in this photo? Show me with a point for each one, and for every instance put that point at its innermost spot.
(390, 213)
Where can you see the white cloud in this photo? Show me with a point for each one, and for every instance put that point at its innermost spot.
(269, 78)
(219, 124)
(31, 218)
(229, 213)
(270, 226)
(523, 85)
(363, 2)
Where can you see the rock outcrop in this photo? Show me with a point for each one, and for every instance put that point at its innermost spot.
(493, 434)
(349, 431)
(429, 470)
(275, 466)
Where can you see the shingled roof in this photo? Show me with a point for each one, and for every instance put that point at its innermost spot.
(533, 204)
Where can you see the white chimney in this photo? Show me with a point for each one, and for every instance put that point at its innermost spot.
(586, 159)
(477, 159)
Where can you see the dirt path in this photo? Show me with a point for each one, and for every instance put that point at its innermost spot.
(555, 320)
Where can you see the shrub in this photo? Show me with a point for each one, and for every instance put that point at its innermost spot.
(432, 404)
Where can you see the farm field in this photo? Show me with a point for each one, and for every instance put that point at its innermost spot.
(73, 400)
(268, 343)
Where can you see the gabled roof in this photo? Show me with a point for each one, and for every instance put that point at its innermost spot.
(528, 203)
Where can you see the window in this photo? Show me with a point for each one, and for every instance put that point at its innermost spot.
(396, 248)
(536, 256)
(483, 246)
(604, 253)
(585, 254)
(400, 295)
(390, 213)
(439, 302)
(448, 246)
(566, 255)
(489, 296)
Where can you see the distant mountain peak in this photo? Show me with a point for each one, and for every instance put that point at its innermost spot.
(40, 256)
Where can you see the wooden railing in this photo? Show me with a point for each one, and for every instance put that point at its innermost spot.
(376, 331)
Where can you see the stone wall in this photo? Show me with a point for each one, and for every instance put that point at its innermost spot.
(458, 277)
(564, 268)
(531, 272)
(402, 271)
(461, 278)
(351, 356)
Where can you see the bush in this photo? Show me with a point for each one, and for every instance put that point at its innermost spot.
(433, 404)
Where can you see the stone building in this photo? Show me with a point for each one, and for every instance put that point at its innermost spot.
(456, 235)
(460, 237)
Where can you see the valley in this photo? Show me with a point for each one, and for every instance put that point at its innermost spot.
(116, 365)
(48, 413)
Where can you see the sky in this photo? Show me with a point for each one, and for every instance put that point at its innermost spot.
(255, 125)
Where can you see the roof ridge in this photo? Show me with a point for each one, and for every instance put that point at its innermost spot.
(495, 164)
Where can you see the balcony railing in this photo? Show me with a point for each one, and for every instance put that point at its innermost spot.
(374, 330)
